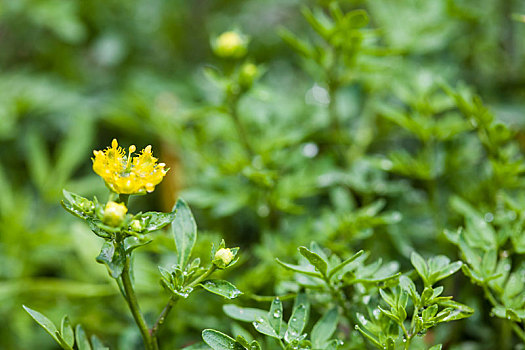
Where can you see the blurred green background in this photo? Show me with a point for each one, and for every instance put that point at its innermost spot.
(76, 74)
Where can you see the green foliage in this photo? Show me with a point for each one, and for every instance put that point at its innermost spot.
(382, 131)
(290, 335)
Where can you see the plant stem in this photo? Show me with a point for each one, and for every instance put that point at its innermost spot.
(199, 279)
(338, 296)
(239, 126)
(171, 302)
(519, 332)
(516, 328)
(160, 320)
(131, 299)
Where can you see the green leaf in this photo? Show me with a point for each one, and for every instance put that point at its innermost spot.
(154, 221)
(184, 231)
(297, 322)
(306, 270)
(344, 263)
(275, 315)
(66, 330)
(408, 285)
(243, 314)
(333, 344)
(113, 256)
(324, 328)
(356, 19)
(220, 341)
(222, 288)
(45, 323)
(445, 272)
(82, 340)
(94, 226)
(263, 326)
(97, 344)
(507, 313)
(420, 265)
(319, 263)
(436, 347)
(369, 337)
(514, 286)
(458, 312)
(131, 243)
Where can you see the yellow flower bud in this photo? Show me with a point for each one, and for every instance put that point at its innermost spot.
(223, 257)
(114, 214)
(230, 45)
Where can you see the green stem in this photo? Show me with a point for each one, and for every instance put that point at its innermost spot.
(489, 296)
(160, 320)
(281, 344)
(516, 328)
(519, 332)
(171, 302)
(239, 126)
(335, 124)
(202, 277)
(131, 299)
(338, 296)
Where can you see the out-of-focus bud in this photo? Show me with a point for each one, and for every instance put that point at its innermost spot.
(114, 214)
(248, 74)
(223, 257)
(230, 45)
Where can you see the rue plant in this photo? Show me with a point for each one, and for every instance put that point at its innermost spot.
(123, 232)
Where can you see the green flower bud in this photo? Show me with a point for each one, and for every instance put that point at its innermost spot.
(223, 257)
(114, 214)
(230, 45)
(248, 74)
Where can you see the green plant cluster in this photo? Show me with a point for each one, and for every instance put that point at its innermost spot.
(366, 156)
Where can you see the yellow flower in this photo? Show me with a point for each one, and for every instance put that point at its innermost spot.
(114, 214)
(125, 174)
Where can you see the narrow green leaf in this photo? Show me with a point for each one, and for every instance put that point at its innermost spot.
(420, 265)
(369, 337)
(220, 341)
(184, 231)
(44, 322)
(82, 340)
(297, 322)
(275, 315)
(245, 314)
(319, 263)
(445, 272)
(324, 328)
(66, 330)
(306, 270)
(408, 285)
(344, 263)
(97, 344)
(222, 288)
